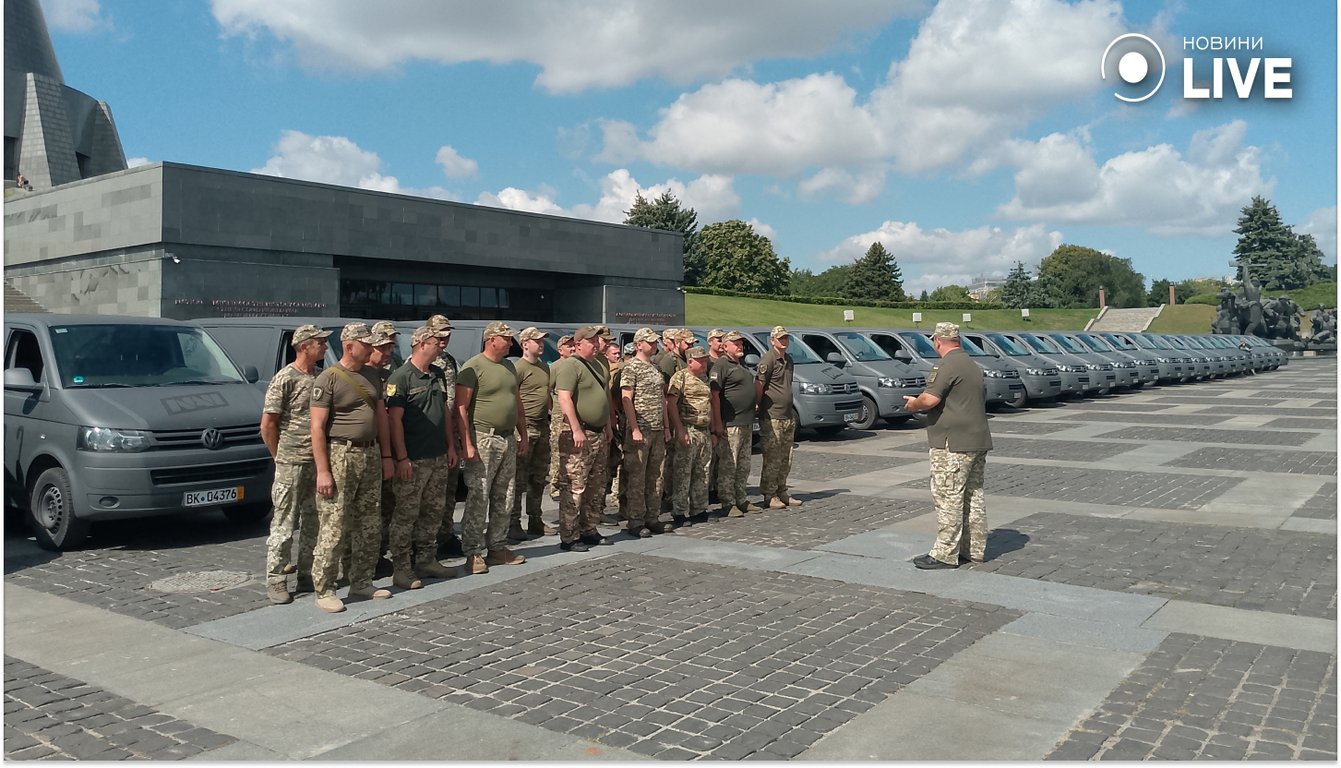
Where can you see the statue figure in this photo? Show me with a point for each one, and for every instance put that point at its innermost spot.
(1324, 326)
(1226, 316)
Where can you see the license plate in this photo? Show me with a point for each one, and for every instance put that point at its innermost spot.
(851, 416)
(212, 497)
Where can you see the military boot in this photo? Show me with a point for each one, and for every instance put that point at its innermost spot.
(517, 535)
(776, 503)
(368, 592)
(475, 564)
(536, 527)
(278, 592)
(432, 569)
(733, 511)
(330, 603)
(503, 556)
(303, 585)
(404, 577)
(748, 508)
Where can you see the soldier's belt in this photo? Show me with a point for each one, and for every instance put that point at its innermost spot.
(352, 443)
(494, 431)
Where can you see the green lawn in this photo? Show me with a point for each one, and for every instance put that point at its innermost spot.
(726, 311)
(1184, 318)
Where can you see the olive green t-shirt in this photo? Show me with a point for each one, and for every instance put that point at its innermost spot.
(533, 385)
(494, 402)
(736, 384)
(350, 417)
(590, 397)
(959, 422)
(669, 363)
(423, 396)
(776, 372)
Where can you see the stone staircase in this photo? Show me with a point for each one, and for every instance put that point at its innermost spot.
(1130, 320)
(18, 301)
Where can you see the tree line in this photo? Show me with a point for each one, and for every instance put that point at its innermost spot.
(730, 255)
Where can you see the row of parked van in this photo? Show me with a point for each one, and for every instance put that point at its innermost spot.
(120, 417)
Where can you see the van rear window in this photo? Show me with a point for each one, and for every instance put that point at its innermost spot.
(139, 355)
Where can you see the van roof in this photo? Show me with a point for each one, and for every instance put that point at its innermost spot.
(47, 319)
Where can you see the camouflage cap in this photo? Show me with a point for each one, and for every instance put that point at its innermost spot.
(670, 334)
(947, 331)
(440, 322)
(733, 336)
(586, 332)
(778, 332)
(381, 339)
(308, 331)
(646, 334)
(385, 327)
(716, 333)
(686, 335)
(630, 349)
(425, 332)
(564, 340)
(695, 352)
(603, 330)
(531, 333)
(357, 332)
(497, 328)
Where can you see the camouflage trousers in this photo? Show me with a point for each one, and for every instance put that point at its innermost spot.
(531, 471)
(492, 480)
(961, 513)
(581, 484)
(733, 465)
(691, 473)
(448, 527)
(642, 480)
(555, 428)
(418, 512)
(667, 472)
(388, 508)
(293, 496)
(777, 436)
(352, 514)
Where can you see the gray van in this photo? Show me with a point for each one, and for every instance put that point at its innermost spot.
(825, 398)
(1001, 381)
(1074, 372)
(1042, 380)
(120, 417)
(266, 343)
(883, 380)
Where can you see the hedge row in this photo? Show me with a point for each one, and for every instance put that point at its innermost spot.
(841, 302)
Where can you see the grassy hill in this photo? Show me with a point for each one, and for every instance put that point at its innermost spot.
(1184, 318)
(726, 311)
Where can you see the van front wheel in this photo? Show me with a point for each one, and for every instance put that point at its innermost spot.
(870, 414)
(51, 511)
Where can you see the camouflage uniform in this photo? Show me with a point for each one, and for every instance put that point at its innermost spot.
(293, 494)
(778, 437)
(353, 513)
(581, 483)
(534, 466)
(418, 512)
(642, 478)
(961, 511)
(691, 461)
(491, 481)
(447, 364)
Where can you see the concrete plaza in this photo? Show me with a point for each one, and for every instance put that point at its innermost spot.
(1160, 583)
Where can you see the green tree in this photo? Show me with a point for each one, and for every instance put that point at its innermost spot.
(1159, 293)
(1078, 273)
(950, 292)
(666, 213)
(1275, 256)
(737, 258)
(924, 296)
(830, 282)
(875, 276)
(1018, 290)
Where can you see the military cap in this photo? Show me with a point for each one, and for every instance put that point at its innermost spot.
(733, 336)
(630, 349)
(385, 327)
(527, 334)
(378, 339)
(308, 331)
(586, 332)
(778, 332)
(686, 335)
(716, 333)
(602, 330)
(565, 339)
(695, 352)
(646, 334)
(357, 332)
(947, 331)
(497, 328)
(426, 332)
(670, 334)
(440, 322)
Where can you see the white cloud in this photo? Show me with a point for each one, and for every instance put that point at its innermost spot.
(136, 162)
(1322, 225)
(1157, 189)
(932, 258)
(862, 187)
(454, 166)
(520, 200)
(78, 16)
(713, 198)
(595, 43)
(336, 160)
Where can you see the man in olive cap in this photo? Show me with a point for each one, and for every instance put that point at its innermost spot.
(777, 425)
(565, 346)
(693, 411)
(449, 544)
(643, 400)
(286, 429)
(584, 403)
(533, 387)
(736, 396)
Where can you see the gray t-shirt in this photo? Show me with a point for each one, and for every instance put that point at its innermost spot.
(959, 422)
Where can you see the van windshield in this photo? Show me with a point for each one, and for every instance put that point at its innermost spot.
(1042, 344)
(972, 349)
(1095, 343)
(1008, 346)
(1067, 343)
(139, 355)
(801, 354)
(920, 344)
(861, 347)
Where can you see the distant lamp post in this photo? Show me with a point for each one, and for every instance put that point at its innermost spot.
(1103, 302)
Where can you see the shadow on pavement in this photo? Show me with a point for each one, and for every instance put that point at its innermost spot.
(1003, 541)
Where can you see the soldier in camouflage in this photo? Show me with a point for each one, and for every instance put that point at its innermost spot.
(674, 342)
(693, 412)
(643, 400)
(449, 544)
(565, 347)
(423, 446)
(533, 378)
(736, 396)
(777, 424)
(959, 439)
(286, 429)
(584, 403)
(350, 446)
(714, 354)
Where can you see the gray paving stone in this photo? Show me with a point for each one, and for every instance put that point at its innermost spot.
(822, 519)
(1056, 450)
(1188, 434)
(1101, 486)
(830, 465)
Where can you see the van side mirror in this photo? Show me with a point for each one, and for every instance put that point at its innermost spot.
(250, 373)
(752, 360)
(22, 380)
(902, 356)
(836, 359)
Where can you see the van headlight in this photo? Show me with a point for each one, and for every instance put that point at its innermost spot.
(1037, 372)
(993, 374)
(892, 383)
(106, 440)
(815, 389)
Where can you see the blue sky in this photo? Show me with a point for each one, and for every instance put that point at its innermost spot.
(964, 135)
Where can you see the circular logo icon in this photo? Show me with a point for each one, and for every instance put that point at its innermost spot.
(212, 439)
(1134, 59)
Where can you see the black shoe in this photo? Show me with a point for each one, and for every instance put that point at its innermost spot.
(681, 521)
(384, 568)
(573, 546)
(700, 518)
(929, 563)
(659, 527)
(451, 548)
(595, 540)
(963, 560)
(638, 533)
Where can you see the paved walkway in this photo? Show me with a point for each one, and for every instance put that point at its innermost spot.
(1160, 583)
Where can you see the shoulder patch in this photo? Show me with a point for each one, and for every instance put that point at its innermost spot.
(316, 393)
(931, 377)
(391, 390)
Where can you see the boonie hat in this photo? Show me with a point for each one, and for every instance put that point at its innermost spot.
(695, 352)
(531, 333)
(425, 332)
(308, 331)
(357, 332)
(778, 332)
(947, 331)
(497, 328)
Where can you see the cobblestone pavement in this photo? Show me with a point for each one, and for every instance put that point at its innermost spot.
(665, 658)
(1100, 486)
(1320, 409)
(1113, 404)
(1200, 697)
(50, 716)
(822, 520)
(1301, 422)
(1005, 426)
(1322, 506)
(1160, 417)
(1276, 571)
(1256, 460)
(1255, 403)
(1056, 450)
(1190, 435)
(828, 465)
